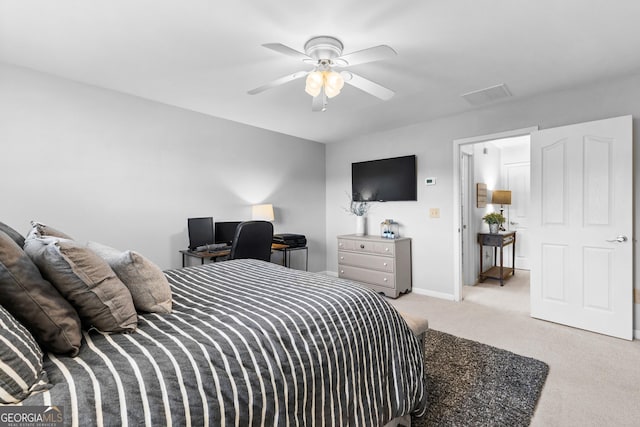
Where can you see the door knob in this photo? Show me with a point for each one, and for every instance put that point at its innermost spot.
(619, 239)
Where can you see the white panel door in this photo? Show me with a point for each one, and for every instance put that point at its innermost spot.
(581, 226)
(518, 181)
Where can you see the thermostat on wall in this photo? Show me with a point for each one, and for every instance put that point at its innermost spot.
(430, 181)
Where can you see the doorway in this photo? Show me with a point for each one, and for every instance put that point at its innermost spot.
(500, 161)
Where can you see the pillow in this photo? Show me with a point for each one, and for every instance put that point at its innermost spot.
(15, 236)
(35, 302)
(20, 361)
(86, 281)
(148, 285)
(43, 230)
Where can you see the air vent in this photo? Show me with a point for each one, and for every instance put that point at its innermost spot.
(490, 94)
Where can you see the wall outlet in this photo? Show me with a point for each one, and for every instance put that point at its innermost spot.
(434, 213)
(430, 181)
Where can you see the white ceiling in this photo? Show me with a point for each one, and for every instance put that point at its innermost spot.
(204, 55)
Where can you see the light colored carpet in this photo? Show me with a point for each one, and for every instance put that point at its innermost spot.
(593, 380)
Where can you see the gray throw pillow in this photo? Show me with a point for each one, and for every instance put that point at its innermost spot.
(21, 370)
(86, 281)
(147, 283)
(35, 302)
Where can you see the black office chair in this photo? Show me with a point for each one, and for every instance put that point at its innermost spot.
(252, 240)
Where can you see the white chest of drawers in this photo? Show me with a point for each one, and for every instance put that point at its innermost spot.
(383, 265)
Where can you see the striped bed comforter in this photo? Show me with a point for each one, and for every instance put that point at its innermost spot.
(249, 344)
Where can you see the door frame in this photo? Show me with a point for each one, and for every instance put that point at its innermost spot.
(466, 184)
(457, 219)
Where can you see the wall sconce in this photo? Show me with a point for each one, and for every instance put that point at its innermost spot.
(262, 212)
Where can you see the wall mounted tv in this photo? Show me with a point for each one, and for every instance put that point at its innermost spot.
(385, 180)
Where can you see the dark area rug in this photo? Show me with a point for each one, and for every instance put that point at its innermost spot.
(474, 384)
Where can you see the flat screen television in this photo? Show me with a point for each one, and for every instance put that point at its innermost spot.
(385, 180)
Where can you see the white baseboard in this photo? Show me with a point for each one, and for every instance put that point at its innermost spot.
(329, 273)
(434, 294)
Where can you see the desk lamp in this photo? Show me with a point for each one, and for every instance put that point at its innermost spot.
(501, 197)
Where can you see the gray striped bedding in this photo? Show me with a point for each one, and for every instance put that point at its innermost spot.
(249, 343)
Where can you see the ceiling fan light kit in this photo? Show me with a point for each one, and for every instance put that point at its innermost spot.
(329, 81)
(325, 54)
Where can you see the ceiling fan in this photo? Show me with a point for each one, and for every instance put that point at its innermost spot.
(323, 82)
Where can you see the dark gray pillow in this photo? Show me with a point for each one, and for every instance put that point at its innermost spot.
(20, 361)
(86, 281)
(17, 237)
(35, 302)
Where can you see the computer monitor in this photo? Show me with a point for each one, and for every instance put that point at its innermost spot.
(200, 232)
(225, 231)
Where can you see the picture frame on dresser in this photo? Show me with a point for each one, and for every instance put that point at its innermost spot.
(381, 264)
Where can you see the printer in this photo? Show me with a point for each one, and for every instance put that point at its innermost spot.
(291, 240)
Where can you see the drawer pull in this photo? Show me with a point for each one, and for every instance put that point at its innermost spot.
(340, 244)
(386, 249)
(341, 257)
(385, 279)
(342, 271)
(361, 246)
(384, 264)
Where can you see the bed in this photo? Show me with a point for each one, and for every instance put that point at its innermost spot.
(247, 343)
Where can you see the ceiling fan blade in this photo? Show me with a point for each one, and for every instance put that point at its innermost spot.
(286, 50)
(319, 102)
(367, 85)
(277, 82)
(371, 54)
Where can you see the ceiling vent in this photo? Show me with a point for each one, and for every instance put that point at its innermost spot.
(490, 94)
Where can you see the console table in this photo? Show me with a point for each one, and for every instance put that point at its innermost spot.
(498, 240)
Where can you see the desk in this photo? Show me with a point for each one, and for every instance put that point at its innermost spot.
(499, 240)
(286, 254)
(221, 254)
(202, 255)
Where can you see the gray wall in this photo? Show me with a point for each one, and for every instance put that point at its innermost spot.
(127, 172)
(431, 141)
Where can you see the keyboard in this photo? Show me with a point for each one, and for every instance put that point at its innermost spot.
(215, 247)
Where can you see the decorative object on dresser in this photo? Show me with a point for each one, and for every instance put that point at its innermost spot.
(381, 264)
(359, 209)
(389, 229)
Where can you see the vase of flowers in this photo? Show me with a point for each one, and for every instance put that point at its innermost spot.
(495, 220)
(359, 209)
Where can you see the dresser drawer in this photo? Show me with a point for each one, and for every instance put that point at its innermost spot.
(379, 278)
(372, 247)
(346, 244)
(374, 262)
